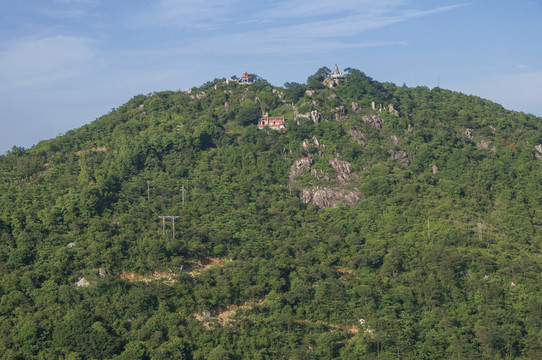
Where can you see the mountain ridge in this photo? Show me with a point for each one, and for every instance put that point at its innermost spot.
(428, 200)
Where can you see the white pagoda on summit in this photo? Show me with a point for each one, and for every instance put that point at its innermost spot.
(336, 74)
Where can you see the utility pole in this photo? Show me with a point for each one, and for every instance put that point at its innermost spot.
(182, 191)
(163, 224)
(173, 224)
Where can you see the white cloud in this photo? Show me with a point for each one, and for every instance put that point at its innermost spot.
(36, 61)
(302, 26)
(311, 8)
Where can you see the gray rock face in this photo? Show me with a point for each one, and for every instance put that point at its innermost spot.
(343, 169)
(400, 156)
(315, 116)
(82, 282)
(482, 144)
(331, 83)
(300, 167)
(358, 136)
(376, 108)
(320, 175)
(356, 108)
(469, 135)
(373, 120)
(539, 149)
(324, 197)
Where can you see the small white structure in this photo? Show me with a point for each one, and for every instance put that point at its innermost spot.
(336, 74)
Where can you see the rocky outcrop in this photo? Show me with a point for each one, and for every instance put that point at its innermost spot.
(374, 121)
(375, 108)
(315, 116)
(279, 93)
(300, 167)
(341, 113)
(82, 282)
(198, 96)
(339, 117)
(469, 135)
(482, 144)
(434, 169)
(395, 140)
(538, 148)
(400, 156)
(343, 169)
(325, 197)
(358, 136)
(331, 83)
(356, 108)
(306, 144)
(320, 175)
(392, 110)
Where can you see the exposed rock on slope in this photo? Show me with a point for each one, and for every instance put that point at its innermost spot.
(358, 136)
(299, 167)
(343, 169)
(324, 197)
(374, 121)
(400, 156)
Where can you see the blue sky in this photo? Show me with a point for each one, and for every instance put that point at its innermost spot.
(64, 63)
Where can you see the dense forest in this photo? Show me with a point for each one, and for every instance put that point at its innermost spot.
(385, 222)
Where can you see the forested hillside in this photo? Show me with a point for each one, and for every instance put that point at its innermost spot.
(385, 222)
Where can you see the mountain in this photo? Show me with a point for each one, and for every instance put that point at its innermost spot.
(383, 222)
